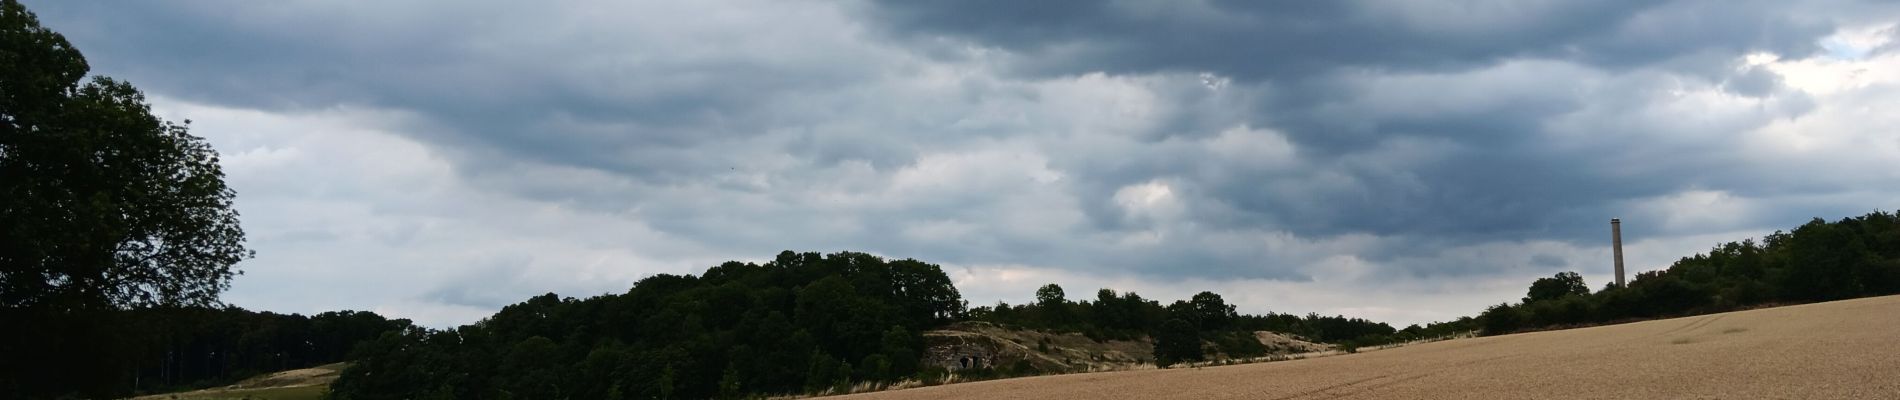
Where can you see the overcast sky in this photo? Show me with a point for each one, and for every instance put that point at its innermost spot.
(1398, 161)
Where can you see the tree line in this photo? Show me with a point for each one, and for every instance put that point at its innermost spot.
(802, 323)
(112, 353)
(1817, 261)
(1195, 328)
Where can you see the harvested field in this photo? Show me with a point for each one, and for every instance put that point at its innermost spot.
(297, 384)
(1838, 350)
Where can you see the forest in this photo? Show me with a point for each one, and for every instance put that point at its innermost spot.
(1817, 261)
(854, 317)
(800, 323)
(808, 323)
(1205, 317)
(107, 353)
(803, 323)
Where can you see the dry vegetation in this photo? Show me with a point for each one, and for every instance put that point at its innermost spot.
(1073, 352)
(296, 384)
(1836, 350)
(1048, 351)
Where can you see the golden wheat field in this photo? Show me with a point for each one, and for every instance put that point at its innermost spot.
(1838, 350)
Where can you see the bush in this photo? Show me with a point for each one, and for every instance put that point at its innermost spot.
(1501, 319)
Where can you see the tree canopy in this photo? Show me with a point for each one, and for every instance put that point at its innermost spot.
(802, 323)
(106, 212)
(1817, 261)
(1556, 287)
(1180, 330)
(102, 204)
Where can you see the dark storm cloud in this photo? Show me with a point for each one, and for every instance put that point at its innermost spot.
(1546, 260)
(486, 82)
(1289, 39)
(1315, 63)
(1320, 64)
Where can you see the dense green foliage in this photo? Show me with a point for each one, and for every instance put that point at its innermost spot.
(101, 204)
(199, 347)
(107, 214)
(1818, 261)
(1177, 341)
(110, 353)
(800, 323)
(1206, 317)
(1557, 287)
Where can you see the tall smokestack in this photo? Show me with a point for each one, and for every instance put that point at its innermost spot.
(1616, 243)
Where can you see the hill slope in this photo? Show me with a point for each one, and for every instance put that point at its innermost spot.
(297, 384)
(1066, 352)
(1842, 349)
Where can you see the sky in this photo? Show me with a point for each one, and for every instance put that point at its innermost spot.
(1401, 161)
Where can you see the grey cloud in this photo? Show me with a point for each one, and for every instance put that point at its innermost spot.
(491, 284)
(1322, 71)
(1257, 40)
(1546, 260)
(596, 96)
(1754, 82)
(676, 119)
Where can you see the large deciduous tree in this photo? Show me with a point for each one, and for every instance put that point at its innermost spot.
(104, 208)
(1556, 287)
(102, 204)
(1211, 311)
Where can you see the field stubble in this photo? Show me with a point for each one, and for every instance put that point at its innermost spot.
(1836, 350)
